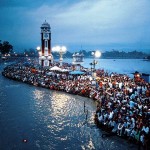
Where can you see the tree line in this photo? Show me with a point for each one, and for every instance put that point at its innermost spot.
(5, 47)
(113, 54)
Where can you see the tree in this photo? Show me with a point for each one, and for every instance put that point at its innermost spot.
(148, 57)
(5, 47)
(0, 45)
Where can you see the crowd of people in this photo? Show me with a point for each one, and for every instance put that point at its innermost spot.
(122, 103)
(123, 107)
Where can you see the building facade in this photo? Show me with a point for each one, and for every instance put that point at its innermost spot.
(45, 56)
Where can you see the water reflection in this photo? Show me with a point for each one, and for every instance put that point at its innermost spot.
(38, 94)
(49, 120)
(60, 103)
(64, 119)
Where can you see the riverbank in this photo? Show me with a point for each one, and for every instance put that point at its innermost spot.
(123, 105)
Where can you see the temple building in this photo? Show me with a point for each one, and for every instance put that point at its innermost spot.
(77, 60)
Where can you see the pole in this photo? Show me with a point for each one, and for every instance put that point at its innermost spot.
(86, 114)
(61, 58)
(84, 106)
(94, 65)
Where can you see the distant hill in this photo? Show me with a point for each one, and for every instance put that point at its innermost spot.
(114, 54)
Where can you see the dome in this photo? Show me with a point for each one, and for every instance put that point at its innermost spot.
(45, 25)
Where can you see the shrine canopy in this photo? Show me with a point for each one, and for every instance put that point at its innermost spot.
(65, 70)
(55, 68)
(77, 72)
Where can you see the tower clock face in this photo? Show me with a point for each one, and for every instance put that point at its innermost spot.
(46, 36)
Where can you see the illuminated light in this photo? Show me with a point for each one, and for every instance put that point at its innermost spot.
(97, 53)
(38, 48)
(24, 141)
(57, 48)
(54, 49)
(40, 53)
(92, 53)
(63, 48)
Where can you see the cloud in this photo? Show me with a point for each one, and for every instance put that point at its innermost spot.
(90, 22)
(108, 19)
(99, 21)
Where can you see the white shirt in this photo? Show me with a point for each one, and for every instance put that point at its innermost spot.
(145, 129)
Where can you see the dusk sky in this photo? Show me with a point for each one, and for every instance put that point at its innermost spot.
(94, 24)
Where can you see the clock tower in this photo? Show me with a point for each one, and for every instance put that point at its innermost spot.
(45, 58)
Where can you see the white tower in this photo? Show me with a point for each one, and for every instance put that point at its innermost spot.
(45, 58)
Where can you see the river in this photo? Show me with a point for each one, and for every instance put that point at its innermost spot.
(34, 118)
(123, 66)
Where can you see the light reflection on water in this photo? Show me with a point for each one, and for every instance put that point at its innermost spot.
(64, 121)
(64, 117)
(60, 103)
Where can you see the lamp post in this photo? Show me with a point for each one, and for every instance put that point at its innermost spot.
(96, 54)
(61, 50)
(91, 66)
(39, 53)
(39, 50)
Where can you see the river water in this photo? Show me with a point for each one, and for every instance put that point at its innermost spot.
(34, 118)
(123, 66)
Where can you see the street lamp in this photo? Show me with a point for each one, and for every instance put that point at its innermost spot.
(96, 54)
(39, 50)
(61, 50)
(39, 54)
